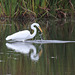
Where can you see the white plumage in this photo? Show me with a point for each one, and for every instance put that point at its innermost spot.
(19, 36)
(25, 34)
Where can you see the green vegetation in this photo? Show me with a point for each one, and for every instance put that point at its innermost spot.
(38, 8)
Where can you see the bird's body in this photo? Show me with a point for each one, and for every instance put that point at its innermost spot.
(19, 36)
(23, 35)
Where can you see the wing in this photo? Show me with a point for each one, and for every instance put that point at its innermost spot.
(21, 35)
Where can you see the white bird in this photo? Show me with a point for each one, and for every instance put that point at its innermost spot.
(25, 34)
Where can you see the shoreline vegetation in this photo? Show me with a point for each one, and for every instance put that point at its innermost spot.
(21, 9)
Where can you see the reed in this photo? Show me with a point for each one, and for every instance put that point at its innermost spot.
(9, 7)
(39, 7)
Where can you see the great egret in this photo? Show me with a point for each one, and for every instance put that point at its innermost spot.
(25, 34)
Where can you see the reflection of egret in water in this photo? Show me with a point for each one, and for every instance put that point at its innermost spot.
(25, 48)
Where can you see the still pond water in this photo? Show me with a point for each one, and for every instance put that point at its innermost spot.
(50, 53)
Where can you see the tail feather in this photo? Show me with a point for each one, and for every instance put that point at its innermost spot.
(8, 38)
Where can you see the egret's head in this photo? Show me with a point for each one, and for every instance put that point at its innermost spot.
(36, 24)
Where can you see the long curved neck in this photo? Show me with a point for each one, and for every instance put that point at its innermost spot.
(34, 33)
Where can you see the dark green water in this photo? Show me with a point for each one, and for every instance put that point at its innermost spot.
(21, 58)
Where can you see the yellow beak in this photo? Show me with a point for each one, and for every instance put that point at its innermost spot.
(40, 28)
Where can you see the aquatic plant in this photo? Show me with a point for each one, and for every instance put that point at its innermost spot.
(37, 8)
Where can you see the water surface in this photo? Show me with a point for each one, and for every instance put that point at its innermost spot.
(52, 53)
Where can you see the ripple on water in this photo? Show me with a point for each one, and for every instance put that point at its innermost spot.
(48, 41)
